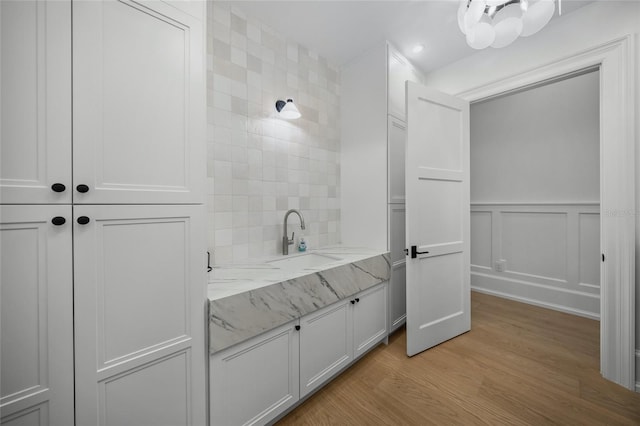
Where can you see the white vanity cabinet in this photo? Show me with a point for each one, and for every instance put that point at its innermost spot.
(256, 381)
(103, 244)
(253, 382)
(373, 193)
(326, 344)
(369, 319)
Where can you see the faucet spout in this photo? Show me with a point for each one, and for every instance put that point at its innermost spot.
(286, 242)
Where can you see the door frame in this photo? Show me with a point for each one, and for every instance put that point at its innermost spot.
(615, 60)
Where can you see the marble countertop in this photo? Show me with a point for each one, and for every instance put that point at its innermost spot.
(248, 299)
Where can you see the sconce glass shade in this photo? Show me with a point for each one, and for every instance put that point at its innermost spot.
(288, 109)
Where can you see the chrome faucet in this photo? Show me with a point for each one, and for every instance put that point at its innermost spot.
(286, 242)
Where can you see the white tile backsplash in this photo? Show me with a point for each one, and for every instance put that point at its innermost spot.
(259, 165)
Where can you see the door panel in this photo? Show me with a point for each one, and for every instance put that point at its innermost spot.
(139, 310)
(35, 113)
(138, 91)
(437, 209)
(397, 135)
(36, 340)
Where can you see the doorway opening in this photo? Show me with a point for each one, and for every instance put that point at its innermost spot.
(535, 194)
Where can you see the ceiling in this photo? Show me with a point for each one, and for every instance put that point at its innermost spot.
(342, 30)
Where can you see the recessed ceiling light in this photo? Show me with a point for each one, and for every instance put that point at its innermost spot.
(417, 48)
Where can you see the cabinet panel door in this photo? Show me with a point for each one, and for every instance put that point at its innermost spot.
(326, 345)
(398, 295)
(35, 112)
(369, 319)
(255, 381)
(140, 282)
(139, 103)
(400, 70)
(396, 139)
(36, 298)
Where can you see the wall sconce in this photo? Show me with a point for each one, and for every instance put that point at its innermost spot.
(287, 109)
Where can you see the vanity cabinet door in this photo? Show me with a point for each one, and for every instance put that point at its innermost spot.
(253, 382)
(369, 319)
(138, 103)
(326, 345)
(139, 303)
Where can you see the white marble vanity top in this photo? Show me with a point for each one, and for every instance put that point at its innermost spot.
(230, 279)
(248, 299)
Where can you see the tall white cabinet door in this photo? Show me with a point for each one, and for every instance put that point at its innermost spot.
(138, 103)
(399, 72)
(369, 319)
(139, 275)
(325, 345)
(397, 135)
(36, 316)
(398, 282)
(35, 112)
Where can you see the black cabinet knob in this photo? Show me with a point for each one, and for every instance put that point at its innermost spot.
(58, 220)
(82, 188)
(353, 302)
(58, 187)
(83, 220)
(297, 327)
(357, 299)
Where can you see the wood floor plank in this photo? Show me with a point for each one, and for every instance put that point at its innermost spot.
(519, 365)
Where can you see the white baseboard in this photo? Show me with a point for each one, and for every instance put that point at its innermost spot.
(495, 286)
(637, 369)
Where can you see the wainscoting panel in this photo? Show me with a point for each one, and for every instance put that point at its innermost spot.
(544, 254)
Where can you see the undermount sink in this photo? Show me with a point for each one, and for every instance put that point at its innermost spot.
(302, 261)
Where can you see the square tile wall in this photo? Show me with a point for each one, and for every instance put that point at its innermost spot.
(260, 165)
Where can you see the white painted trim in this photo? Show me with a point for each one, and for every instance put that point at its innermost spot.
(637, 369)
(542, 203)
(534, 302)
(616, 61)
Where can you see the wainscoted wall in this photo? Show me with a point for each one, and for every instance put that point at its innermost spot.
(544, 254)
(259, 165)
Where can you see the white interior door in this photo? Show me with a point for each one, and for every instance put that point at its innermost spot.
(437, 218)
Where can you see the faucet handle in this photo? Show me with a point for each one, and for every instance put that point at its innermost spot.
(292, 237)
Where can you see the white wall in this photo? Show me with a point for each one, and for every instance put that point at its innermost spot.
(259, 165)
(589, 26)
(535, 195)
(538, 145)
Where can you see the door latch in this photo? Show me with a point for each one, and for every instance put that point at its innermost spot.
(415, 252)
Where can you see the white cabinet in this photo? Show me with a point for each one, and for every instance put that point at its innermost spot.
(138, 103)
(35, 113)
(123, 283)
(397, 285)
(369, 319)
(399, 71)
(373, 192)
(253, 382)
(139, 326)
(36, 309)
(326, 345)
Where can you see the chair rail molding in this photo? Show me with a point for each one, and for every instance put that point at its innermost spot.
(616, 62)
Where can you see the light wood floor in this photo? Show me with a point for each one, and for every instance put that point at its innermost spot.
(519, 365)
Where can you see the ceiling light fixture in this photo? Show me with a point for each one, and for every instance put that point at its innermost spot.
(418, 48)
(287, 109)
(498, 23)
